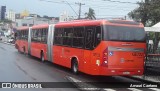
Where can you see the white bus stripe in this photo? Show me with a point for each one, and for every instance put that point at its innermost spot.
(155, 89)
(107, 89)
(134, 89)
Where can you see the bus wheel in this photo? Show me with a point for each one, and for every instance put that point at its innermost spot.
(19, 51)
(24, 51)
(75, 66)
(42, 57)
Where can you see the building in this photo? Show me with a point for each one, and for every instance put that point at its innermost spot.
(30, 21)
(10, 15)
(18, 16)
(65, 17)
(34, 15)
(2, 12)
(24, 14)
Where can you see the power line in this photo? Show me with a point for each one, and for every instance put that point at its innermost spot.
(80, 4)
(91, 5)
(62, 2)
(120, 2)
(71, 7)
(119, 9)
(52, 1)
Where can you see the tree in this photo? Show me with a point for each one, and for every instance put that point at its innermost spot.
(90, 14)
(45, 16)
(148, 11)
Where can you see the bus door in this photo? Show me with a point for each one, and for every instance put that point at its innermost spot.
(67, 51)
(89, 35)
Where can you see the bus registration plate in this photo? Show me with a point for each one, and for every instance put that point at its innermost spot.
(126, 73)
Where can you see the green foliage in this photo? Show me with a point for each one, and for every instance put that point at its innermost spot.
(151, 35)
(90, 14)
(148, 11)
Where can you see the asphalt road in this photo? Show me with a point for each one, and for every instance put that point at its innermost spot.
(17, 67)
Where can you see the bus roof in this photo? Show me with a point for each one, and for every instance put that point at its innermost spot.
(98, 22)
(23, 28)
(40, 26)
(129, 22)
(87, 23)
(79, 23)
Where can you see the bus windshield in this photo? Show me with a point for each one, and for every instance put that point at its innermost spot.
(124, 33)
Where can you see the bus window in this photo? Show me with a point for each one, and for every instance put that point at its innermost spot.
(23, 32)
(22, 35)
(67, 38)
(58, 39)
(39, 35)
(43, 36)
(35, 34)
(124, 33)
(26, 34)
(89, 38)
(97, 37)
(78, 37)
(46, 34)
(32, 36)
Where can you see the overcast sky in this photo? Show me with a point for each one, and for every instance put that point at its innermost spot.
(56, 7)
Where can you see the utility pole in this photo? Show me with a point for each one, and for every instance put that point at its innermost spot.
(80, 4)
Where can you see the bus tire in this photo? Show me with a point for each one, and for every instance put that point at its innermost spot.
(24, 51)
(42, 57)
(74, 66)
(19, 51)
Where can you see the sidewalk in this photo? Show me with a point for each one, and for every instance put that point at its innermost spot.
(7, 43)
(4, 40)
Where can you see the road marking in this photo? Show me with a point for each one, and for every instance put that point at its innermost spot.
(107, 89)
(74, 79)
(82, 85)
(90, 89)
(134, 89)
(156, 89)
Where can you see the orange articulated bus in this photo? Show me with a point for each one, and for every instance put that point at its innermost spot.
(95, 47)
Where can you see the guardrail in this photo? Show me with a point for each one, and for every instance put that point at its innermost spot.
(153, 60)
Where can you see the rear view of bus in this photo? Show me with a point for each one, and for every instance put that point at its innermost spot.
(123, 48)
